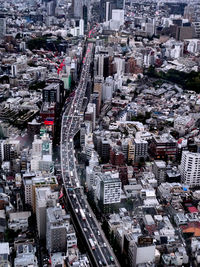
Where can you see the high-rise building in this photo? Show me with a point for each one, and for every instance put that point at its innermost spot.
(44, 198)
(108, 188)
(190, 168)
(108, 89)
(33, 129)
(107, 6)
(159, 170)
(140, 149)
(118, 15)
(98, 89)
(105, 150)
(92, 170)
(85, 16)
(100, 65)
(90, 114)
(77, 8)
(1, 150)
(2, 27)
(56, 230)
(51, 7)
(51, 93)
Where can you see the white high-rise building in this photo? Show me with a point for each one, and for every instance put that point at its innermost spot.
(37, 146)
(100, 65)
(190, 168)
(108, 88)
(120, 64)
(42, 145)
(92, 170)
(118, 15)
(42, 154)
(2, 150)
(107, 11)
(108, 190)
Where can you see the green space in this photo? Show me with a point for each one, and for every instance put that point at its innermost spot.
(189, 81)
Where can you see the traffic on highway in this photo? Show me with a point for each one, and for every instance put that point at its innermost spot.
(100, 249)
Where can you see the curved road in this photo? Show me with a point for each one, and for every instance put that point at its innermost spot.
(101, 251)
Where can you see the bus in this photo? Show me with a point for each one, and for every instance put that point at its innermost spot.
(91, 243)
(82, 214)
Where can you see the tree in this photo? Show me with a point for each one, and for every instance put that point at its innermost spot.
(10, 235)
(18, 36)
(128, 81)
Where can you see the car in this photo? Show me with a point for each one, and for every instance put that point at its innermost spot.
(111, 258)
(90, 215)
(100, 263)
(104, 244)
(98, 233)
(85, 229)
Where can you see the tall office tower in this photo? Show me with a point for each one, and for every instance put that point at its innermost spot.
(87, 4)
(85, 16)
(56, 230)
(100, 65)
(2, 27)
(190, 168)
(51, 7)
(44, 198)
(107, 6)
(77, 8)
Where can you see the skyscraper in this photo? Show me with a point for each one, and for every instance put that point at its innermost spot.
(108, 5)
(77, 8)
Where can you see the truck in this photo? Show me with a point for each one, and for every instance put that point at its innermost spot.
(91, 243)
(82, 214)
